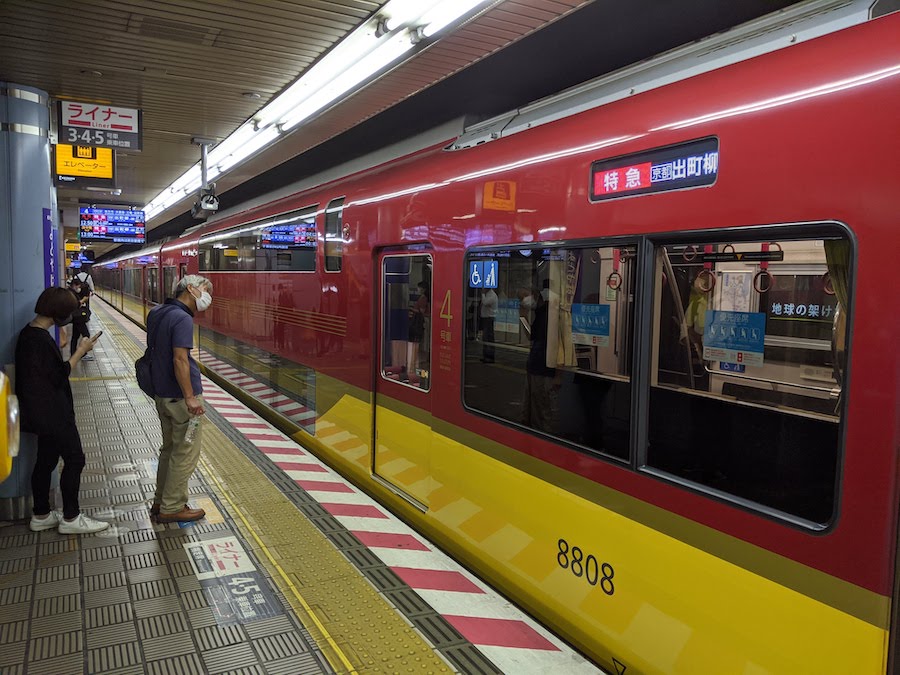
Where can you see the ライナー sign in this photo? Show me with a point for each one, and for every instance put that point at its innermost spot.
(99, 125)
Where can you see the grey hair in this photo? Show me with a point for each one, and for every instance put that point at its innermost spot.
(194, 280)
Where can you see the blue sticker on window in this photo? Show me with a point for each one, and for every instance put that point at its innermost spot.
(491, 271)
(483, 274)
(476, 274)
(734, 337)
(590, 324)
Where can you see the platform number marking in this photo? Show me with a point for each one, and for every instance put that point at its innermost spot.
(445, 309)
(572, 558)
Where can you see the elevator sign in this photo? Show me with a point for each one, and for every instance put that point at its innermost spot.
(82, 166)
(99, 125)
(676, 167)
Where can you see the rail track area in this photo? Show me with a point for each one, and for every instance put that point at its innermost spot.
(293, 571)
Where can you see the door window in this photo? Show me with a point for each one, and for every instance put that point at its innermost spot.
(406, 323)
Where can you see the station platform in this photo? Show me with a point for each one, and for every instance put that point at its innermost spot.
(293, 571)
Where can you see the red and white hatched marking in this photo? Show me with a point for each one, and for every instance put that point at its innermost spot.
(514, 642)
(296, 412)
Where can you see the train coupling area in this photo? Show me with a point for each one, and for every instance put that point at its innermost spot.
(292, 571)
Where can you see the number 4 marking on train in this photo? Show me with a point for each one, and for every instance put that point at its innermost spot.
(445, 309)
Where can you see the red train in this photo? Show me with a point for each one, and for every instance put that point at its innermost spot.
(627, 353)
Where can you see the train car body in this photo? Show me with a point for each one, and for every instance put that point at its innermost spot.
(636, 365)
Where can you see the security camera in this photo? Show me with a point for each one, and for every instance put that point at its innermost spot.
(209, 203)
(206, 206)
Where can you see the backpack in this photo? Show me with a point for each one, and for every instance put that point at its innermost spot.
(85, 280)
(143, 372)
(82, 314)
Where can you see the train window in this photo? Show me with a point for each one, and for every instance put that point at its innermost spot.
(283, 243)
(747, 369)
(132, 282)
(334, 236)
(169, 281)
(152, 285)
(555, 324)
(406, 351)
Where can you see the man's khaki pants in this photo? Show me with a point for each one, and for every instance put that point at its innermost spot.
(177, 457)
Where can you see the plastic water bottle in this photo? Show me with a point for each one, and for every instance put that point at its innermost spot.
(193, 425)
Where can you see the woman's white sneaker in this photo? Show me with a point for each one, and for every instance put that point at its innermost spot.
(81, 525)
(48, 522)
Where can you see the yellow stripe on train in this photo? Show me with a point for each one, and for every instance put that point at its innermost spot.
(617, 588)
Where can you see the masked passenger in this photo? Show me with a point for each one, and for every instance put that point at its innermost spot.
(45, 396)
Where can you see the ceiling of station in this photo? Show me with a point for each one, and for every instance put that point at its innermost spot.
(200, 68)
(204, 67)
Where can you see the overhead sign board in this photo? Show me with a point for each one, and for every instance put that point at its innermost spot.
(676, 167)
(83, 166)
(119, 226)
(73, 247)
(99, 125)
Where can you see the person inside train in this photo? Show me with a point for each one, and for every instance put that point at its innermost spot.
(48, 410)
(488, 314)
(540, 407)
(695, 316)
(418, 314)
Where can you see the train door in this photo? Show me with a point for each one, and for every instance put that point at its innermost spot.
(403, 396)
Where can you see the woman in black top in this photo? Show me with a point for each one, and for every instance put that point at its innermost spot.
(80, 316)
(47, 409)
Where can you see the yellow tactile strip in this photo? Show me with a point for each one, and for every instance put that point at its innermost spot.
(353, 625)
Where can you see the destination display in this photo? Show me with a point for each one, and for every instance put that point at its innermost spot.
(119, 226)
(676, 167)
(286, 236)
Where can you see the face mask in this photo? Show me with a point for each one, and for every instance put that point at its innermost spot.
(528, 302)
(204, 301)
(545, 294)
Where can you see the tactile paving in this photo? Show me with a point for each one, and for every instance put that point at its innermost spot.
(366, 629)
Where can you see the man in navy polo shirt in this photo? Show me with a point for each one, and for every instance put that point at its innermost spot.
(176, 381)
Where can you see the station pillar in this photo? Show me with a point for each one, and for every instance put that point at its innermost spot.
(28, 244)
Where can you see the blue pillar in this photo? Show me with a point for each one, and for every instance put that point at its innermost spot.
(29, 257)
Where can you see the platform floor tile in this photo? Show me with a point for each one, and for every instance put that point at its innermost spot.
(128, 600)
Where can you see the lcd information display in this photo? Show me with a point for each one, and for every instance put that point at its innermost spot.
(676, 167)
(119, 226)
(286, 236)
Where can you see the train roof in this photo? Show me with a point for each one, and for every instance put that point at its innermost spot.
(787, 27)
